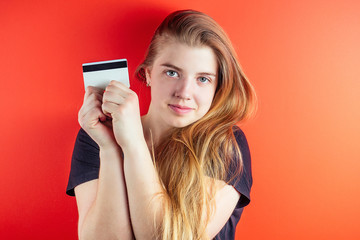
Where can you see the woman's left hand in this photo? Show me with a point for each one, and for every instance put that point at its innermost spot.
(122, 105)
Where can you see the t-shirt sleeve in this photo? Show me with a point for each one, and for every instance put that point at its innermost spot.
(85, 162)
(243, 182)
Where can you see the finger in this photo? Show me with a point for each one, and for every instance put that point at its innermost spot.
(92, 94)
(118, 87)
(91, 118)
(109, 108)
(89, 107)
(118, 84)
(90, 89)
(114, 93)
(93, 100)
(113, 97)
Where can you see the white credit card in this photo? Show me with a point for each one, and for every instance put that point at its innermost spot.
(99, 74)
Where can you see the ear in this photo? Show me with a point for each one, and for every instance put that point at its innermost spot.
(148, 76)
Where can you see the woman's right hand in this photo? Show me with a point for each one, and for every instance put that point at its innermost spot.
(92, 119)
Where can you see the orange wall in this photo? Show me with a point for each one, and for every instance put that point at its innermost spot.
(302, 57)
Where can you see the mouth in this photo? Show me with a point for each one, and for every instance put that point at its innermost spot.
(180, 109)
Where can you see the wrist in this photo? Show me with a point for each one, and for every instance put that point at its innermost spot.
(110, 151)
(138, 148)
(108, 144)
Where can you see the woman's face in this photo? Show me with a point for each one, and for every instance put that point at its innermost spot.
(183, 81)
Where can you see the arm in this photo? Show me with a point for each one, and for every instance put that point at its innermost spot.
(141, 177)
(143, 185)
(145, 202)
(102, 204)
(226, 199)
(140, 171)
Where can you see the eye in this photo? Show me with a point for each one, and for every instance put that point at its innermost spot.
(204, 79)
(172, 73)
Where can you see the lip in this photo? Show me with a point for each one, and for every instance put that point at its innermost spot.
(180, 109)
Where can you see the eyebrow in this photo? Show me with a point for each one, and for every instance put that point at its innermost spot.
(179, 69)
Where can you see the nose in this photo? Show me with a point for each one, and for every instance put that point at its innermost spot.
(184, 89)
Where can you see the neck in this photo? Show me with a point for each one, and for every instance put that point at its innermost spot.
(153, 132)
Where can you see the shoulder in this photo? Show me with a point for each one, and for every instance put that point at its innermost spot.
(243, 181)
(85, 140)
(85, 147)
(243, 145)
(85, 162)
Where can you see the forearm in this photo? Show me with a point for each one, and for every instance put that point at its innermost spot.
(108, 217)
(144, 191)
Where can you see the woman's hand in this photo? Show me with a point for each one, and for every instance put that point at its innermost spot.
(122, 105)
(92, 119)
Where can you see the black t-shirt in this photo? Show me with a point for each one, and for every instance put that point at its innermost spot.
(85, 166)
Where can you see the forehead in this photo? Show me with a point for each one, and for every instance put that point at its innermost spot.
(188, 58)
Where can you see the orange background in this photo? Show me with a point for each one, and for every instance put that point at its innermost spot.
(303, 58)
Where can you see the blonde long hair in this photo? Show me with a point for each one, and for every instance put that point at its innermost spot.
(206, 149)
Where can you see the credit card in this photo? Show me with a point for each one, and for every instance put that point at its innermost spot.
(99, 74)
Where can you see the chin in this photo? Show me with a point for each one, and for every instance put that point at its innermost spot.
(181, 124)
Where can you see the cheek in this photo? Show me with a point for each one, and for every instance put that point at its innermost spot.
(161, 88)
(205, 100)
(155, 97)
(159, 93)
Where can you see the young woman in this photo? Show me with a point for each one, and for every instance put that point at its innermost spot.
(183, 170)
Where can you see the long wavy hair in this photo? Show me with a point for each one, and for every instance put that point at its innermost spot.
(192, 158)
